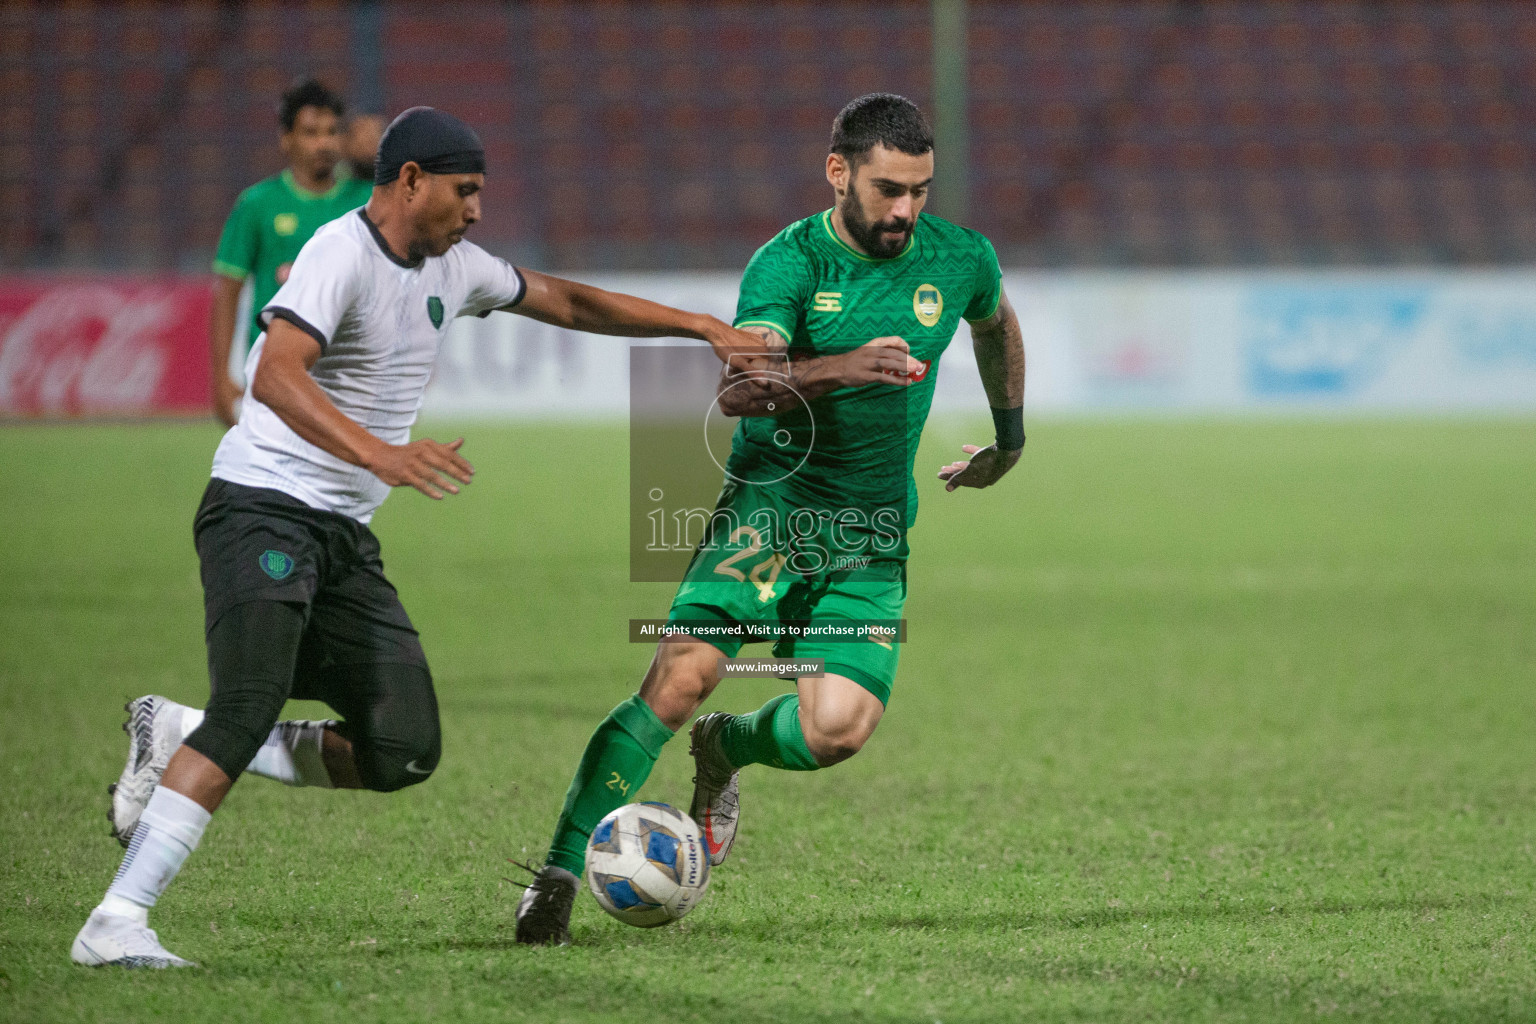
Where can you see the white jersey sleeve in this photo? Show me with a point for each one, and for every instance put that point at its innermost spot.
(491, 283)
(322, 285)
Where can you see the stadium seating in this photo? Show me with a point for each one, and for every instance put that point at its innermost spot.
(672, 135)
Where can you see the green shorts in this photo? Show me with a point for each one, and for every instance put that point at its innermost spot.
(844, 610)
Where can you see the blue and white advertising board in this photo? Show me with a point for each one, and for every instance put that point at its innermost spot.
(1106, 343)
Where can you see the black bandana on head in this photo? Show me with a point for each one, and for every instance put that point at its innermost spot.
(437, 142)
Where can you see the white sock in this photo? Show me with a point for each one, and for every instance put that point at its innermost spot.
(291, 754)
(169, 829)
(190, 719)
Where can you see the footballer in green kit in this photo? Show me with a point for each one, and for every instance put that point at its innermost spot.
(273, 219)
(859, 302)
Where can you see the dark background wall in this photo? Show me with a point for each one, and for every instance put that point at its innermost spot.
(682, 135)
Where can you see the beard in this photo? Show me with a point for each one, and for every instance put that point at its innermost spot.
(870, 236)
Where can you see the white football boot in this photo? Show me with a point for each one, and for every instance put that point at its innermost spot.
(109, 940)
(716, 806)
(154, 733)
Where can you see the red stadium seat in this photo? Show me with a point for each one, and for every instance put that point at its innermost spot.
(690, 131)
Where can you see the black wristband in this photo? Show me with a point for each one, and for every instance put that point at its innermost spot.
(1009, 424)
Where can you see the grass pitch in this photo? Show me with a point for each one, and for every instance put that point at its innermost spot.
(1196, 722)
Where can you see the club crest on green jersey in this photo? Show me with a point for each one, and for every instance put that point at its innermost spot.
(275, 564)
(928, 304)
(435, 310)
(285, 224)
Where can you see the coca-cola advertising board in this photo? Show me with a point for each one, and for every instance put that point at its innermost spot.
(103, 347)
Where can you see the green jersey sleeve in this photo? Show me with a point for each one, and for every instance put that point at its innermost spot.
(774, 289)
(988, 290)
(236, 255)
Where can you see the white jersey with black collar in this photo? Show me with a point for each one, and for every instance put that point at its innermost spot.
(379, 321)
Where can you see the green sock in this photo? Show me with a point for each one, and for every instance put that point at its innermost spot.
(770, 735)
(616, 763)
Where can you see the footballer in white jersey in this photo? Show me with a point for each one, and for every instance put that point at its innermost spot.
(295, 597)
(379, 321)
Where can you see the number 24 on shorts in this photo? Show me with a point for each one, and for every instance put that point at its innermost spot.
(769, 566)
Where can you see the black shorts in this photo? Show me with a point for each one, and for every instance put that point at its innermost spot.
(257, 544)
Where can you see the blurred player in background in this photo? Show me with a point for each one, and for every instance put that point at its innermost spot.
(273, 219)
(295, 597)
(362, 143)
(811, 523)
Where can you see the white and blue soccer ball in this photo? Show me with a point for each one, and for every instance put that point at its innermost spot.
(647, 864)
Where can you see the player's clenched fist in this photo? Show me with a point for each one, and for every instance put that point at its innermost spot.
(425, 465)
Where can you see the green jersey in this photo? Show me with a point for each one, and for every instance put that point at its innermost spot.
(855, 447)
(270, 223)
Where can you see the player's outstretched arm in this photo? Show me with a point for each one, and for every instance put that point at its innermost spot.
(283, 384)
(999, 344)
(581, 307)
(774, 381)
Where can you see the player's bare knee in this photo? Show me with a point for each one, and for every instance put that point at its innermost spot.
(828, 754)
(834, 742)
(681, 677)
(834, 734)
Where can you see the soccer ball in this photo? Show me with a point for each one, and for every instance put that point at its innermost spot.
(647, 865)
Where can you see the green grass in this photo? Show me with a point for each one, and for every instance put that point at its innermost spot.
(1224, 721)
